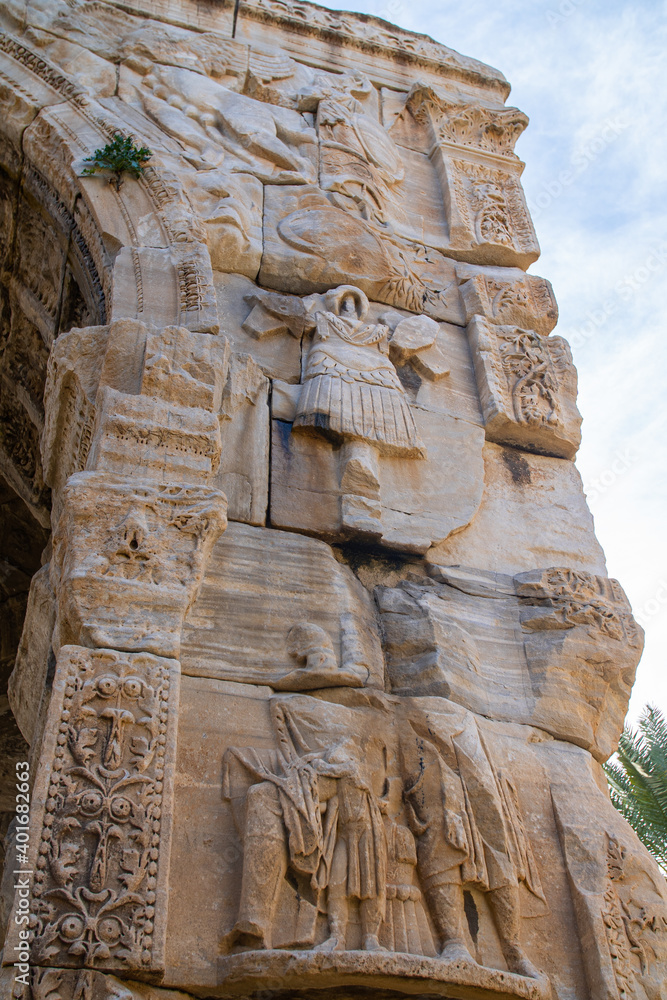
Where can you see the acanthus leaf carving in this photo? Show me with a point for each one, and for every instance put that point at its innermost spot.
(492, 129)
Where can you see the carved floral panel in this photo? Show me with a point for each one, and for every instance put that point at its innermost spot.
(103, 806)
(528, 388)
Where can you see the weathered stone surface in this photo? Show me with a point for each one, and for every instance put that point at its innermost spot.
(168, 441)
(532, 513)
(181, 366)
(244, 465)
(403, 661)
(552, 648)
(418, 502)
(259, 585)
(142, 547)
(27, 684)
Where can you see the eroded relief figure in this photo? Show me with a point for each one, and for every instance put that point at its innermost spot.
(313, 813)
(469, 831)
(312, 647)
(352, 395)
(360, 161)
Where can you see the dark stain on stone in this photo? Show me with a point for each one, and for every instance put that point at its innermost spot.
(471, 914)
(517, 465)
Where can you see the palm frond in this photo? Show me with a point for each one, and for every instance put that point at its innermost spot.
(637, 778)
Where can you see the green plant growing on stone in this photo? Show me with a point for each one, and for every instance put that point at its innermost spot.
(637, 777)
(118, 157)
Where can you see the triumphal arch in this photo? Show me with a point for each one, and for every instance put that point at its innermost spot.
(310, 651)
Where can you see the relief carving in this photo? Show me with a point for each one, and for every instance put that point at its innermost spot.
(316, 814)
(373, 833)
(493, 129)
(377, 830)
(528, 388)
(310, 245)
(487, 213)
(509, 298)
(564, 598)
(351, 390)
(146, 545)
(619, 900)
(312, 647)
(351, 394)
(360, 163)
(469, 831)
(99, 887)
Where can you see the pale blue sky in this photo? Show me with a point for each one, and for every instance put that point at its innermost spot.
(591, 76)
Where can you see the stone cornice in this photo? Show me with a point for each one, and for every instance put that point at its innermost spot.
(359, 31)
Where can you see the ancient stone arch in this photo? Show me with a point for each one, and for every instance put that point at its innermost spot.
(309, 633)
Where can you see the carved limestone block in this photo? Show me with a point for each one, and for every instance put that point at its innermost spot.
(352, 425)
(618, 893)
(359, 161)
(186, 368)
(528, 388)
(508, 297)
(102, 813)
(488, 218)
(173, 365)
(172, 287)
(259, 584)
(582, 647)
(533, 512)
(27, 682)
(311, 245)
(551, 648)
(173, 443)
(129, 559)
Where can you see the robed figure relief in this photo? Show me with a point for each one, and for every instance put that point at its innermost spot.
(376, 839)
(311, 815)
(470, 832)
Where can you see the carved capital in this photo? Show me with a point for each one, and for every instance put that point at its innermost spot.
(129, 559)
(492, 129)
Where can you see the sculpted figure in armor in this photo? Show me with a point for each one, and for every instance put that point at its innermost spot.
(352, 394)
(469, 831)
